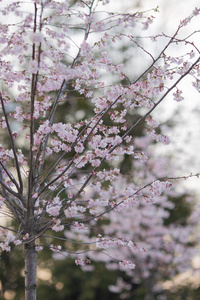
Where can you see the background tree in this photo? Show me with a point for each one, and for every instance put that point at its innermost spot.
(48, 188)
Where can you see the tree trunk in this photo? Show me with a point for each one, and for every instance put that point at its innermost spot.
(149, 283)
(30, 271)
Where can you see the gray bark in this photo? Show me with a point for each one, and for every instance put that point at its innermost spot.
(30, 271)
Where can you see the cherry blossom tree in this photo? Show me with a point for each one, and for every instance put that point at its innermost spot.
(52, 51)
(161, 245)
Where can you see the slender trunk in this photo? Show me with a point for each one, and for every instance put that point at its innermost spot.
(149, 283)
(30, 271)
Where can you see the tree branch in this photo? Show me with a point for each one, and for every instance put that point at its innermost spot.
(20, 188)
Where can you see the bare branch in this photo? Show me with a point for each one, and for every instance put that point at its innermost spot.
(10, 175)
(20, 189)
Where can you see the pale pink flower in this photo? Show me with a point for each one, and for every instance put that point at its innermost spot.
(17, 242)
(126, 264)
(38, 248)
(36, 37)
(33, 67)
(26, 237)
(56, 226)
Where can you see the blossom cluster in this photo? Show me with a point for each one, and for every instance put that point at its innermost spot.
(7, 237)
(159, 186)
